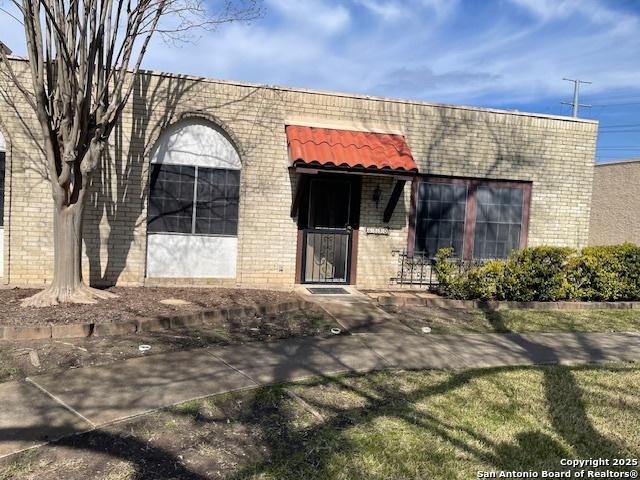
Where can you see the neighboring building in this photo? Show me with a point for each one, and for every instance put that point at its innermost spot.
(227, 183)
(615, 203)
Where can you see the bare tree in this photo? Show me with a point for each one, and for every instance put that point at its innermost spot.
(83, 58)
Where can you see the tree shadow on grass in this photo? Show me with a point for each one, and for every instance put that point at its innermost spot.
(149, 462)
(494, 317)
(298, 453)
(309, 451)
(566, 405)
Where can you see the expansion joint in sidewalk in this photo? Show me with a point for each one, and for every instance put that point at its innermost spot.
(60, 401)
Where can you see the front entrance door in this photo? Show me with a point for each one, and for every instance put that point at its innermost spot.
(331, 215)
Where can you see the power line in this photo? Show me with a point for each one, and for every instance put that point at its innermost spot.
(620, 125)
(576, 96)
(628, 130)
(616, 104)
(617, 97)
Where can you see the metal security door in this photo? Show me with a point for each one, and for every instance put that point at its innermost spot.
(327, 238)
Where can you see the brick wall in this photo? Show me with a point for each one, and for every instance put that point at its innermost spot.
(556, 154)
(615, 204)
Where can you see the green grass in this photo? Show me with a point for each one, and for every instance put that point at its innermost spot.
(564, 321)
(21, 464)
(191, 408)
(405, 425)
(449, 321)
(417, 425)
(7, 370)
(318, 320)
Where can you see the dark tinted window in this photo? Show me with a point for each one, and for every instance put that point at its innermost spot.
(498, 222)
(329, 203)
(217, 205)
(441, 217)
(172, 199)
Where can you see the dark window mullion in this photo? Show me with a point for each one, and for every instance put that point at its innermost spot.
(195, 201)
(225, 203)
(471, 213)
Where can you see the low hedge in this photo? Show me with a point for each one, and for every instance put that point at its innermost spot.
(545, 274)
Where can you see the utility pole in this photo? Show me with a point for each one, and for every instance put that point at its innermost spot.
(576, 96)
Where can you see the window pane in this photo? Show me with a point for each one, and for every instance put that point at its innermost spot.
(498, 221)
(444, 230)
(432, 228)
(514, 237)
(440, 217)
(231, 227)
(457, 212)
(217, 204)
(170, 198)
(233, 177)
(503, 232)
(433, 192)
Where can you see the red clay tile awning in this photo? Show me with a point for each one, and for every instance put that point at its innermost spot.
(327, 147)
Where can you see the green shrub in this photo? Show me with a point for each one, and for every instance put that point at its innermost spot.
(481, 281)
(630, 260)
(477, 281)
(606, 273)
(546, 274)
(445, 270)
(536, 273)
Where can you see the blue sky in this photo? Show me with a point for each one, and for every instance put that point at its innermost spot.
(508, 54)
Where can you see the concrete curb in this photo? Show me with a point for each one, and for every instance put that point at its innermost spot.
(165, 322)
(504, 305)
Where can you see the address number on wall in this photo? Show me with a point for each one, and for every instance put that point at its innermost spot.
(377, 230)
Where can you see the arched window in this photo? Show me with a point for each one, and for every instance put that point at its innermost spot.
(195, 182)
(194, 195)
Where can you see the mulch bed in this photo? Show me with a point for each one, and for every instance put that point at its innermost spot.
(133, 303)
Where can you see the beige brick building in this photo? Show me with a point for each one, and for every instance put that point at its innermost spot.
(615, 206)
(485, 181)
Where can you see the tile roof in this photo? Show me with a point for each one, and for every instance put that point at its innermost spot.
(345, 148)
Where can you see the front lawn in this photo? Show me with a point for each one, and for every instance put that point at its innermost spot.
(564, 321)
(457, 321)
(384, 425)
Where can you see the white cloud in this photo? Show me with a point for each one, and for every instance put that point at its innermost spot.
(547, 9)
(392, 10)
(388, 10)
(593, 11)
(442, 8)
(316, 14)
(501, 56)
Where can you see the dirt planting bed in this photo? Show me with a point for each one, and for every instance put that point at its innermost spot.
(135, 303)
(19, 359)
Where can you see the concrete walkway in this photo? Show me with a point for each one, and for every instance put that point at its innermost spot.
(357, 313)
(47, 407)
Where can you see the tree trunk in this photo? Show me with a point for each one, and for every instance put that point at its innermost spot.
(67, 285)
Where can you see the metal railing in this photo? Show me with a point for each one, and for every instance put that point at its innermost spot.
(418, 269)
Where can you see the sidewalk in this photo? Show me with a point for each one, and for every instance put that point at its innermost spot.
(47, 407)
